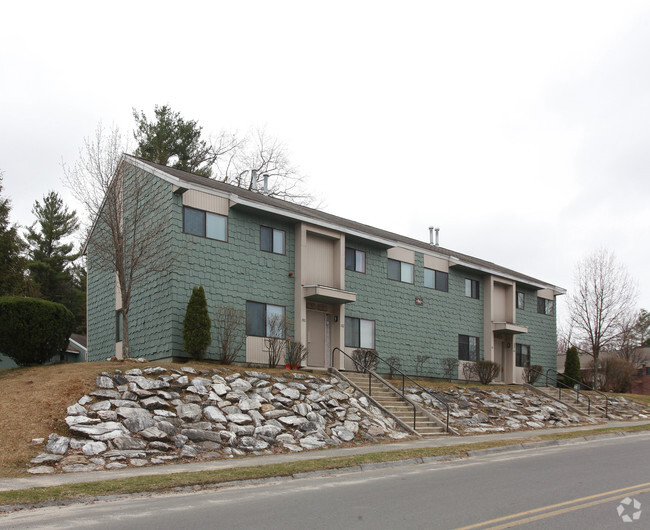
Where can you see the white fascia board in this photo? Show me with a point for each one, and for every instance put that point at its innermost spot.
(324, 224)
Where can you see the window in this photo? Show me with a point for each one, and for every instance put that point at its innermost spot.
(400, 271)
(272, 240)
(544, 306)
(471, 288)
(647, 370)
(355, 260)
(467, 348)
(119, 331)
(436, 280)
(521, 300)
(522, 355)
(205, 224)
(359, 333)
(265, 320)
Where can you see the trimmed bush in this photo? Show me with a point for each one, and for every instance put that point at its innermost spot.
(32, 330)
(484, 371)
(196, 325)
(572, 366)
(532, 373)
(618, 375)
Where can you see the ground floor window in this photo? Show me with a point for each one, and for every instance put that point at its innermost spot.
(359, 333)
(265, 320)
(467, 348)
(523, 355)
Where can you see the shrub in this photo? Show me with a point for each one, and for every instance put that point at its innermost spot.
(230, 333)
(532, 373)
(276, 343)
(364, 360)
(393, 364)
(296, 353)
(196, 325)
(420, 361)
(618, 375)
(32, 331)
(484, 371)
(572, 366)
(450, 367)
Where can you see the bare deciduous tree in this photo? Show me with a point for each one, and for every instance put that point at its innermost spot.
(601, 304)
(124, 237)
(450, 367)
(230, 324)
(276, 342)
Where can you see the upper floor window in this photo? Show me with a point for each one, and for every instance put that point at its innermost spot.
(400, 271)
(471, 288)
(522, 355)
(272, 240)
(265, 320)
(359, 333)
(205, 224)
(544, 306)
(467, 348)
(436, 280)
(521, 300)
(355, 260)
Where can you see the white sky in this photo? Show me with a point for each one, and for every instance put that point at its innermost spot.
(519, 128)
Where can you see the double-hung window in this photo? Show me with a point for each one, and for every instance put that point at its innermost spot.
(265, 320)
(521, 300)
(205, 224)
(544, 306)
(400, 271)
(522, 355)
(471, 288)
(359, 333)
(355, 260)
(436, 280)
(467, 348)
(272, 240)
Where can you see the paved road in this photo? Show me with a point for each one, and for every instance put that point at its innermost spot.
(571, 486)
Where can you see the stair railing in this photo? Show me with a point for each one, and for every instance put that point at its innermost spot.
(577, 390)
(372, 374)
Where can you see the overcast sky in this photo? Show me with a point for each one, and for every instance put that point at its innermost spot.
(518, 128)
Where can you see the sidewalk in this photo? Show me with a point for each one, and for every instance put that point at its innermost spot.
(8, 484)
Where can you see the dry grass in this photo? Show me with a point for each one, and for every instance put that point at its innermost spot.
(33, 403)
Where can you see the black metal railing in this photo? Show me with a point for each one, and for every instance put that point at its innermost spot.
(575, 389)
(393, 369)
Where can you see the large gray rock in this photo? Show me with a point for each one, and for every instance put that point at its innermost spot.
(214, 414)
(241, 430)
(247, 404)
(101, 405)
(221, 389)
(45, 458)
(104, 382)
(198, 435)
(270, 431)
(76, 410)
(148, 384)
(128, 443)
(253, 444)
(57, 444)
(189, 451)
(239, 418)
(257, 375)
(292, 420)
(342, 433)
(93, 448)
(41, 470)
(155, 370)
(132, 412)
(101, 431)
(154, 433)
(290, 393)
(311, 442)
(138, 423)
(240, 385)
(154, 402)
(189, 412)
(106, 394)
(76, 420)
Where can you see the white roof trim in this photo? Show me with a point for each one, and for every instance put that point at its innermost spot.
(332, 226)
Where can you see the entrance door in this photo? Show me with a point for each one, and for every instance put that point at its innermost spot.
(500, 357)
(317, 338)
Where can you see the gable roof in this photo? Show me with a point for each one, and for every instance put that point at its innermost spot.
(260, 201)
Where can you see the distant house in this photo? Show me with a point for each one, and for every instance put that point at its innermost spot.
(339, 283)
(76, 352)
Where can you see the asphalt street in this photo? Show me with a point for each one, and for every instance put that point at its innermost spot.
(592, 484)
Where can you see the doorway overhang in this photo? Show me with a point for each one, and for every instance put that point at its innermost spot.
(328, 295)
(508, 328)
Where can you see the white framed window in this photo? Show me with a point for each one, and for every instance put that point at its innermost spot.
(400, 271)
(359, 333)
(205, 224)
(272, 240)
(544, 306)
(265, 320)
(355, 260)
(521, 300)
(436, 280)
(471, 288)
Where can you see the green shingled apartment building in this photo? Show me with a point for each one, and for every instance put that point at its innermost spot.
(339, 283)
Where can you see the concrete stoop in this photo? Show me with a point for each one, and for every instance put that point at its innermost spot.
(399, 408)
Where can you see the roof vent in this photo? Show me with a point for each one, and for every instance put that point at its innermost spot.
(254, 179)
(266, 183)
(437, 239)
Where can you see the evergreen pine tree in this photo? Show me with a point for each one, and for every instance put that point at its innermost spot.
(11, 245)
(50, 257)
(572, 365)
(196, 325)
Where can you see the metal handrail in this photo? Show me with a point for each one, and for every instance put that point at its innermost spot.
(404, 376)
(577, 391)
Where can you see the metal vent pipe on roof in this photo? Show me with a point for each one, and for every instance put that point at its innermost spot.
(266, 183)
(437, 237)
(254, 179)
(431, 240)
